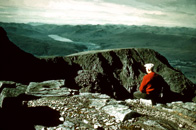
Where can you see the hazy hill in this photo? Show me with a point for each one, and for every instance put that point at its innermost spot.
(171, 42)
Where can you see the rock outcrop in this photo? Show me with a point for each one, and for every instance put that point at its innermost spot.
(117, 73)
(56, 107)
(120, 72)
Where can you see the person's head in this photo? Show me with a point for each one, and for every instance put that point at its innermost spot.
(149, 67)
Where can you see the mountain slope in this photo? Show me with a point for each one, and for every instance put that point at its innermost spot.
(116, 72)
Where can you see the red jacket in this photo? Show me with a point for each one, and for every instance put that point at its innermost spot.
(150, 83)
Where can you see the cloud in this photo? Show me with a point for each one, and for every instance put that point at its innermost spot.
(137, 12)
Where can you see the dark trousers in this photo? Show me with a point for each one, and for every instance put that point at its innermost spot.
(138, 95)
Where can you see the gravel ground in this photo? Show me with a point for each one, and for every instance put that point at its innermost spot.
(76, 114)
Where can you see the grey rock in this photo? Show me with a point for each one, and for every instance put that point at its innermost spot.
(51, 93)
(10, 90)
(38, 127)
(118, 111)
(188, 108)
(146, 102)
(155, 124)
(48, 88)
(2, 96)
(98, 103)
(95, 95)
(46, 85)
(68, 124)
(1, 83)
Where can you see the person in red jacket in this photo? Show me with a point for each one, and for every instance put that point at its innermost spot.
(150, 87)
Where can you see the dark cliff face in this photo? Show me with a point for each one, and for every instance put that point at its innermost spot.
(121, 72)
(117, 73)
(15, 63)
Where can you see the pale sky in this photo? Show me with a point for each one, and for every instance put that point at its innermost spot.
(169, 13)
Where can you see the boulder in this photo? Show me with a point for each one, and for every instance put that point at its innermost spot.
(48, 89)
(118, 111)
(10, 89)
(88, 80)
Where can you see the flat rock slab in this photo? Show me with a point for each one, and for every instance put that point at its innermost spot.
(118, 111)
(48, 88)
(98, 103)
(46, 85)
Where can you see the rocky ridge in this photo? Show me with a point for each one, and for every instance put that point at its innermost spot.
(49, 105)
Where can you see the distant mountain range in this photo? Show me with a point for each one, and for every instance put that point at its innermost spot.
(176, 44)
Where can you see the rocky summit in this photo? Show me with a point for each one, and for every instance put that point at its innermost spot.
(49, 105)
(90, 90)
